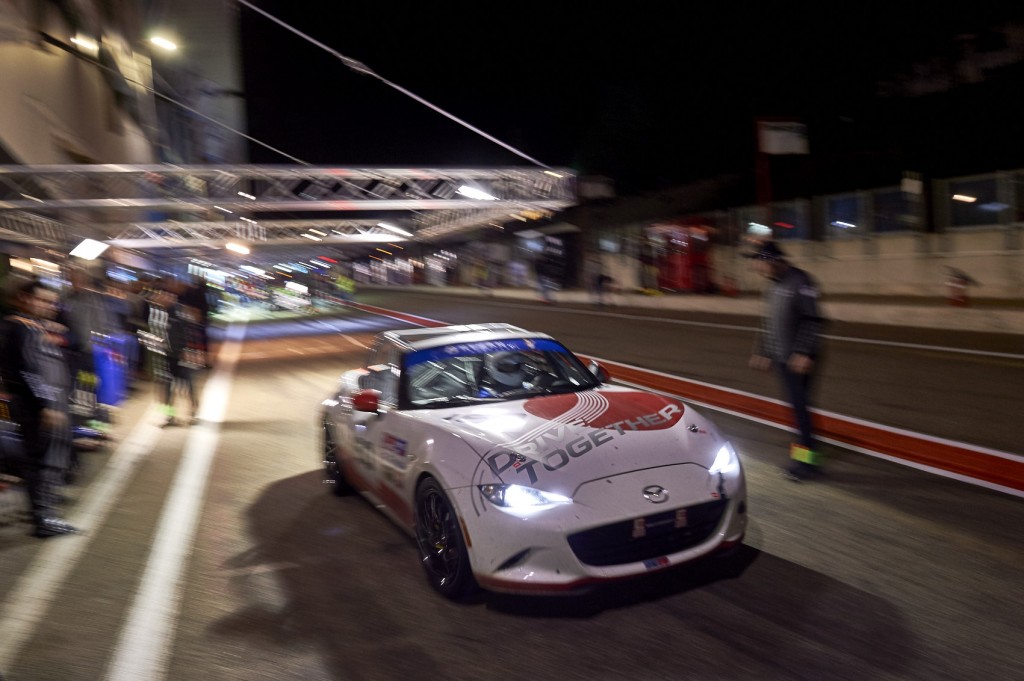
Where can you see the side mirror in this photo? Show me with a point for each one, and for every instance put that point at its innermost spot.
(367, 400)
(599, 372)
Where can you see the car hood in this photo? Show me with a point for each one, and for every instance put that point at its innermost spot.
(558, 442)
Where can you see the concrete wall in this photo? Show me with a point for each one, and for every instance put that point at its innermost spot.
(897, 264)
(902, 264)
(55, 104)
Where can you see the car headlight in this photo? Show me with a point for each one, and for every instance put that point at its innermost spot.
(520, 496)
(726, 460)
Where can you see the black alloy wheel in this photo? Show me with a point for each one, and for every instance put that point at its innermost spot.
(332, 469)
(442, 549)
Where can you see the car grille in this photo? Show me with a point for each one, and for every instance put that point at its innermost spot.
(648, 537)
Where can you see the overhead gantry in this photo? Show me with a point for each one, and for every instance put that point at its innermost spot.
(143, 207)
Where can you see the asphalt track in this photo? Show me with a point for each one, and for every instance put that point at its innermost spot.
(216, 552)
(1001, 470)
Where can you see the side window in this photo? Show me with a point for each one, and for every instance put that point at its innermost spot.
(382, 362)
(378, 352)
(389, 360)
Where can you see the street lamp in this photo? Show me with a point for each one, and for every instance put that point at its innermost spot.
(164, 43)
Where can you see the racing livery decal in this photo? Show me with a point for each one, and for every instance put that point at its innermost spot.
(561, 439)
(622, 411)
(393, 451)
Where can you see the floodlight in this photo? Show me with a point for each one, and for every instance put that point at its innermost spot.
(163, 43)
(89, 249)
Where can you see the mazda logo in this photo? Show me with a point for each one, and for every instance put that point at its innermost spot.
(656, 494)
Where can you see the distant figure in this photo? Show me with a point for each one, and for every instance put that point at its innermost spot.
(549, 269)
(346, 287)
(518, 273)
(957, 282)
(179, 353)
(789, 340)
(196, 296)
(648, 268)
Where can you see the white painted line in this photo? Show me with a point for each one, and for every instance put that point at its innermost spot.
(142, 650)
(831, 414)
(928, 469)
(855, 448)
(933, 348)
(353, 341)
(40, 582)
(834, 415)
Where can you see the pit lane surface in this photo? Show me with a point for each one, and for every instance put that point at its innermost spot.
(881, 571)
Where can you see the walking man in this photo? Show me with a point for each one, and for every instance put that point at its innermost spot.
(789, 340)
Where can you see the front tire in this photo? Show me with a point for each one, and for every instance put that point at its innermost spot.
(333, 475)
(440, 541)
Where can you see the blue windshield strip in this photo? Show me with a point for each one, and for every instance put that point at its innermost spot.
(482, 348)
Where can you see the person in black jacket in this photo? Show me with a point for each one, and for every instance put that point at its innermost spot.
(789, 340)
(35, 374)
(177, 328)
(196, 296)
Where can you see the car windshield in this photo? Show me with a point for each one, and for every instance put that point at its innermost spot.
(490, 371)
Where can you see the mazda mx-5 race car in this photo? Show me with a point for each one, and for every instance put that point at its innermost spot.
(518, 468)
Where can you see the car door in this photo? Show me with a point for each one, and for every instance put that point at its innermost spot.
(372, 446)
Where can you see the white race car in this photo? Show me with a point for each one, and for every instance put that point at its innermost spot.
(517, 468)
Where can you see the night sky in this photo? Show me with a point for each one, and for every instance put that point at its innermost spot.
(652, 94)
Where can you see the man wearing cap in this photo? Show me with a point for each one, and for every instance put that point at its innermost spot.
(789, 340)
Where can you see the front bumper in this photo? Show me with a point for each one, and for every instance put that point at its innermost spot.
(600, 537)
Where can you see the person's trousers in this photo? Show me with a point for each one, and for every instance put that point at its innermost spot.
(797, 388)
(37, 471)
(183, 377)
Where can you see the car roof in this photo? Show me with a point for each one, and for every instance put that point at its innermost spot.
(419, 339)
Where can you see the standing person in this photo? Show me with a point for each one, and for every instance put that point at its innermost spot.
(549, 270)
(35, 373)
(136, 321)
(168, 323)
(158, 320)
(187, 355)
(88, 313)
(346, 286)
(89, 316)
(178, 329)
(592, 271)
(790, 340)
(196, 296)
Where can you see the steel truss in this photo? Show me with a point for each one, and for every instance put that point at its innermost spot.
(32, 229)
(214, 203)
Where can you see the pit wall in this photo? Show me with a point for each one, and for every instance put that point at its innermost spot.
(890, 264)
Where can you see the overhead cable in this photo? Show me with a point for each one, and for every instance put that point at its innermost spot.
(192, 110)
(362, 68)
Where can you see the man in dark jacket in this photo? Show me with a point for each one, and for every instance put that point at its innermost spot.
(790, 340)
(196, 296)
(35, 373)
